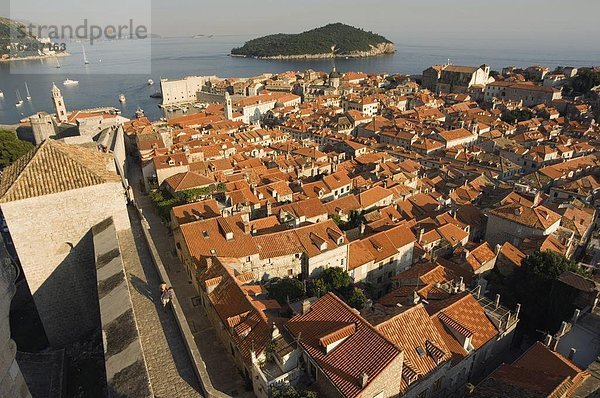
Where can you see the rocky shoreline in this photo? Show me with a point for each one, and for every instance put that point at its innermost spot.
(380, 49)
(36, 57)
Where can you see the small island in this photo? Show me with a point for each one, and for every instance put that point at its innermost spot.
(346, 42)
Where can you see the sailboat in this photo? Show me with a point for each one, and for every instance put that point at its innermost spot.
(57, 63)
(19, 100)
(85, 60)
(28, 95)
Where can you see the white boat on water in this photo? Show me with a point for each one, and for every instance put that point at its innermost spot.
(150, 82)
(28, 95)
(122, 98)
(85, 59)
(70, 82)
(1, 94)
(19, 99)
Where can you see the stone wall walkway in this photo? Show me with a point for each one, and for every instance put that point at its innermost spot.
(223, 373)
(169, 365)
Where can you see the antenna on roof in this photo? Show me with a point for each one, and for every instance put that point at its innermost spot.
(448, 61)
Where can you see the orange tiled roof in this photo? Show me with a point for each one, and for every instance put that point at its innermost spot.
(538, 217)
(513, 254)
(54, 167)
(365, 351)
(414, 333)
(197, 210)
(538, 371)
(379, 247)
(480, 256)
(188, 180)
(232, 301)
(465, 311)
(373, 195)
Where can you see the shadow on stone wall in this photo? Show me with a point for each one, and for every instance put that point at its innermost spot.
(68, 301)
(26, 327)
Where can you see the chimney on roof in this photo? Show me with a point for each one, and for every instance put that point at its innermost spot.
(421, 233)
(208, 262)
(575, 316)
(497, 301)
(466, 252)
(415, 298)
(461, 284)
(274, 331)
(572, 354)
(305, 307)
(363, 380)
(362, 228)
(563, 329)
(245, 217)
(247, 227)
(537, 198)
(497, 249)
(518, 211)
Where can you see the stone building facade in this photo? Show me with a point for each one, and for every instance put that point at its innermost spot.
(49, 216)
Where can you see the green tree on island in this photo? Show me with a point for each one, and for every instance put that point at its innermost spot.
(347, 40)
(12, 148)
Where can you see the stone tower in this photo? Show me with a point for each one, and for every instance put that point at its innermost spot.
(228, 107)
(60, 269)
(59, 104)
(334, 78)
(43, 127)
(12, 383)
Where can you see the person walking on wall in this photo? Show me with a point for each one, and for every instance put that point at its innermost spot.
(167, 296)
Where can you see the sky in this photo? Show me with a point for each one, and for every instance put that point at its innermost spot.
(573, 22)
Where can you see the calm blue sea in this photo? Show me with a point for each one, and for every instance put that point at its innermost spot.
(101, 82)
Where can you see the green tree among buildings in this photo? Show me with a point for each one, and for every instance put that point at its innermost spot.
(12, 148)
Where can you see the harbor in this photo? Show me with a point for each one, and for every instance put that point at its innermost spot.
(112, 65)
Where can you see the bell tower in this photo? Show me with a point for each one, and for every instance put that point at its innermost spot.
(59, 104)
(228, 107)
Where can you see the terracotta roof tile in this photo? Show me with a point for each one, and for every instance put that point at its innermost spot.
(538, 217)
(188, 180)
(414, 333)
(465, 311)
(365, 351)
(54, 167)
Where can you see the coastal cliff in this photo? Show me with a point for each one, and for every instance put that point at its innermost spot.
(330, 41)
(377, 50)
(17, 43)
